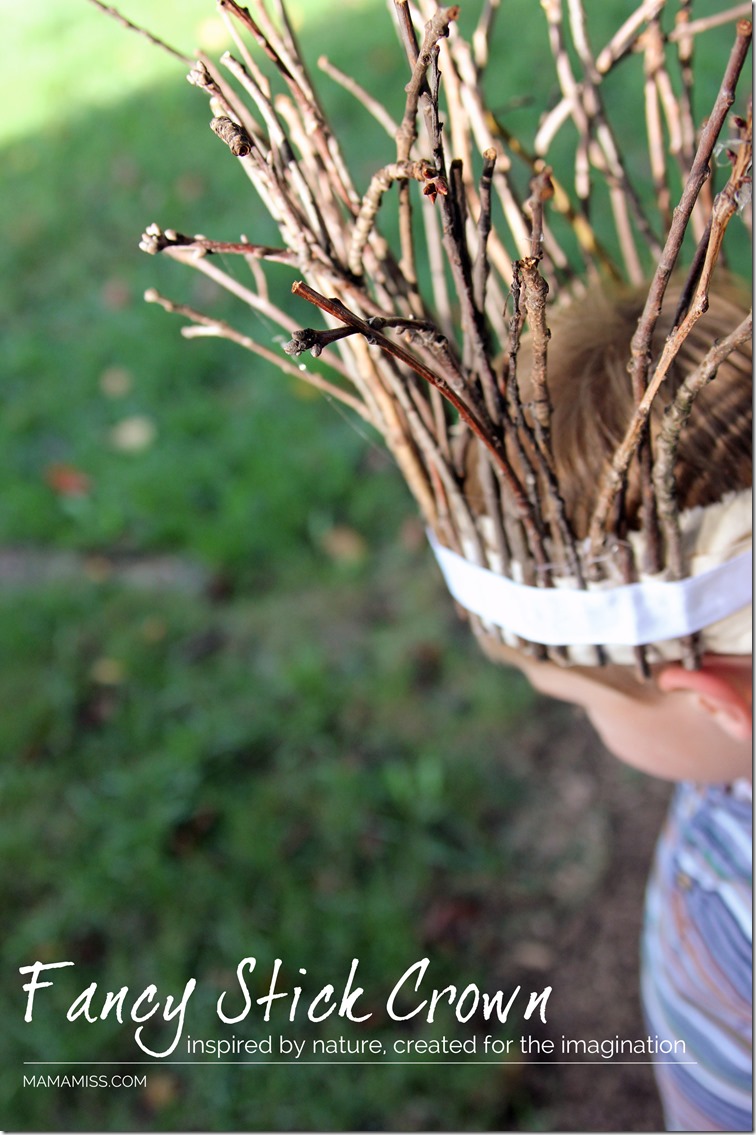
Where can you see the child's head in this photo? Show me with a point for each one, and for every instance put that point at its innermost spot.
(682, 724)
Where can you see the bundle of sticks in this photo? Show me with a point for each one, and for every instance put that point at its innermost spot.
(421, 335)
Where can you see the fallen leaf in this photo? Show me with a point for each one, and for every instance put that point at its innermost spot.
(344, 544)
(133, 434)
(116, 381)
(67, 480)
(107, 671)
(161, 1089)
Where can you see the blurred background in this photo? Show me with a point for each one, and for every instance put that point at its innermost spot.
(239, 715)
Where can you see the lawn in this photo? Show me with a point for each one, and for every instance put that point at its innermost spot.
(240, 717)
(255, 747)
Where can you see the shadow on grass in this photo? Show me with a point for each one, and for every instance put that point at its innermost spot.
(117, 433)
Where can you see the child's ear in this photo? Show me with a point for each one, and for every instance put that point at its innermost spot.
(721, 689)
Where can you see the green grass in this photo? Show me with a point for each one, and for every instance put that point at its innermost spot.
(245, 468)
(72, 59)
(304, 759)
(179, 826)
(189, 780)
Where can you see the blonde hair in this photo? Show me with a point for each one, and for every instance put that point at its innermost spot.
(589, 386)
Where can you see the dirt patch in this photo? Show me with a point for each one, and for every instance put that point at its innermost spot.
(598, 822)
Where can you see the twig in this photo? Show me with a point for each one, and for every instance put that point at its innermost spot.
(310, 339)
(455, 246)
(588, 241)
(473, 128)
(624, 197)
(706, 23)
(641, 343)
(422, 171)
(204, 264)
(625, 38)
(233, 30)
(541, 191)
(653, 65)
(629, 575)
(406, 134)
(153, 39)
(537, 441)
(244, 18)
(406, 31)
(535, 290)
(481, 37)
(437, 269)
(435, 29)
(674, 422)
(221, 330)
(372, 105)
(394, 423)
(483, 430)
(480, 267)
(288, 62)
(222, 101)
(155, 240)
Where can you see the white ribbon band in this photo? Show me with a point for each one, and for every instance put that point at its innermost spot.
(634, 614)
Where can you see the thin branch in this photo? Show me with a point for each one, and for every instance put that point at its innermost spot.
(476, 346)
(706, 23)
(423, 171)
(641, 343)
(541, 191)
(221, 330)
(155, 240)
(223, 102)
(653, 65)
(481, 266)
(204, 264)
(534, 292)
(435, 29)
(244, 18)
(244, 52)
(481, 37)
(372, 105)
(310, 339)
(624, 39)
(675, 420)
(588, 241)
(437, 268)
(153, 39)
(629, 574)
(624, 197)
(685, 41)
(406, 31)
(483, 430)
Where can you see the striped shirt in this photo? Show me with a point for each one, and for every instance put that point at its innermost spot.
(697, 960)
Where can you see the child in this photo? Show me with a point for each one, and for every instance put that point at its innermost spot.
(691, 726)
